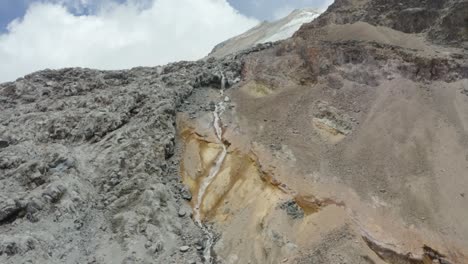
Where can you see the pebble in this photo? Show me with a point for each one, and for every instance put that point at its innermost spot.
(211, 106)
(226, 99)
(184, 248)
(182, 212)
(186, 194)
(148, 244)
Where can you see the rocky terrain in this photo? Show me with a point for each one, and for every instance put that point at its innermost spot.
(88, 172)
(347, 143)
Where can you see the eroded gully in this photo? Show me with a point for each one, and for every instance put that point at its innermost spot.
(217, 125)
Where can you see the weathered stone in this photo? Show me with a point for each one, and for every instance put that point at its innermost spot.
(185, 192)
(8, 208)
(184, 248)
(181, 212)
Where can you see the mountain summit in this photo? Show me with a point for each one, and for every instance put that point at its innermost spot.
(266, 32)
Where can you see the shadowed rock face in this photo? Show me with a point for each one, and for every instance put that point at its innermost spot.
(345, 144)
(453, 27)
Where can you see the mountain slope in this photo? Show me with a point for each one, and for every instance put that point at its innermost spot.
(346, 143)
(444, 22)
(89, 165)
(361, 115)
(266, 32)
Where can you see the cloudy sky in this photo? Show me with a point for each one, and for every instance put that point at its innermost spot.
(116, 34)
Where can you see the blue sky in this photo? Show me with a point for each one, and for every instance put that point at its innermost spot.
(120, 34)
(272, 9)
(13, 9)
(9, 10)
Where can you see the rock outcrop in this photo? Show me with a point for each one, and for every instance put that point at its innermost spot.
(87, 166)
(443, 21)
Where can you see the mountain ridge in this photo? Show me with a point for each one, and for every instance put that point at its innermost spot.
(266, 32)
(346, 143)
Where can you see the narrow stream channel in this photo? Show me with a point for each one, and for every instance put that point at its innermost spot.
(219, 109)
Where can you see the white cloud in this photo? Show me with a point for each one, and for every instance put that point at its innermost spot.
(285, 9)
(325, 5)
(118, 36)
(282, 12)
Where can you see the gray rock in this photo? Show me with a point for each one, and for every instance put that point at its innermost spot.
(16, 245)
(181, 212)
(8, 208)
(292, 209)
(4, 143)
(211, 107)
(199, 248)
(185, 192)
(97, 151)
(184, 248)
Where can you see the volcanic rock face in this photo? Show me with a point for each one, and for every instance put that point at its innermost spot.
(345, 144)
(444, 21)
